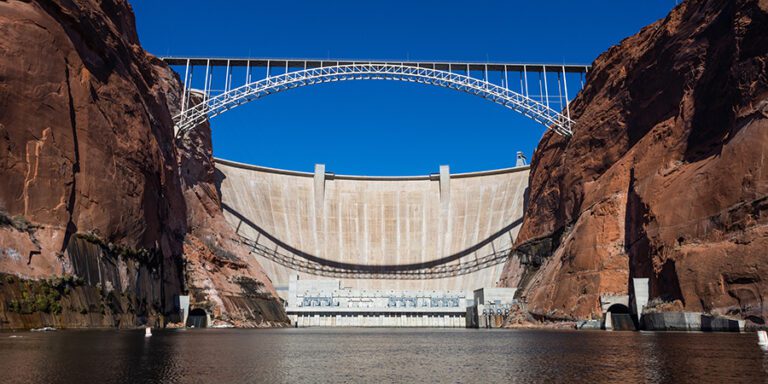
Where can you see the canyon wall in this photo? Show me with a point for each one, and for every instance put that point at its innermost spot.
(664, 175)
(94, 224)
(221, 274)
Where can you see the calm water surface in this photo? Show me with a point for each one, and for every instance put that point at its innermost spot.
(379, 356)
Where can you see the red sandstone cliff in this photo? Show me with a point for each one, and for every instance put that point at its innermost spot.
(664, 176)
(221, 274)
(94, 222)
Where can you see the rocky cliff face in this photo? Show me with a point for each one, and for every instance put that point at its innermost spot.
(93, 211)
(664, 176)
(221, 274)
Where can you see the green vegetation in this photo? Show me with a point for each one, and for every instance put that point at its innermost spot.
(14, 306)
(42, 295)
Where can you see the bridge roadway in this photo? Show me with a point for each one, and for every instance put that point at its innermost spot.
(287, 63)
(434, 232)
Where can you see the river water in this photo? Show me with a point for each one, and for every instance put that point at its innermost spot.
(314, 355)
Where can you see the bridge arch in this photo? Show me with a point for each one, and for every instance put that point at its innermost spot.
(538, 110)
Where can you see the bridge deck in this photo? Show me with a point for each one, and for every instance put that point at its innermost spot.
(316, 63)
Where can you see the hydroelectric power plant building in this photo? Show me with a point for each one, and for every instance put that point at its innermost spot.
(376, 251)
(326, 303)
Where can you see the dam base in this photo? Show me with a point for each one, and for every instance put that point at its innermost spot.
(384, 320)
(325, 303)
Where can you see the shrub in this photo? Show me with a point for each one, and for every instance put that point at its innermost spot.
(5, 219)
(42, 304)
(18, 222)
(22, 224)
(43, 295)
(14, 306)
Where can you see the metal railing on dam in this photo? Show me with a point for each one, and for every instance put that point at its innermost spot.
(297, 260)
(434, 232)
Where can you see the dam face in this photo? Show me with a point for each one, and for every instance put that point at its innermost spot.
(377, 220)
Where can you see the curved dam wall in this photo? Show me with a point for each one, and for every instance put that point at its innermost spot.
(377, 220)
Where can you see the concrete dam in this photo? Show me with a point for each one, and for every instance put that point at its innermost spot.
(375, 221)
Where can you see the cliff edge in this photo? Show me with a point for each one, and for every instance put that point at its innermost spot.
(663, 177)
(94, 225)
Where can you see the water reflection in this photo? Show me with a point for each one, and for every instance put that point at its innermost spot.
(380, 355)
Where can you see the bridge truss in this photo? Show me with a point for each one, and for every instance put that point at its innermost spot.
(547, 103)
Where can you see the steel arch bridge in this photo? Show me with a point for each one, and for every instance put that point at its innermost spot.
(541, 106)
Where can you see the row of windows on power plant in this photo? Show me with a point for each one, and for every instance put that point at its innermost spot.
(392, 302)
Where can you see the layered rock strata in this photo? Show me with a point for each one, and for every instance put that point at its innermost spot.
(91, 191)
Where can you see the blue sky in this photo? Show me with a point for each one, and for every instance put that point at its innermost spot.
(380, 127)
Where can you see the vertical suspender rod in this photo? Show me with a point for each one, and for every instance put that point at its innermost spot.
(546, 88)
(525, 76)
(541, 89)
(205, 87)
(184, 91)
(559, 92)
(565, 88)
(506, 78)
(226, 78)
